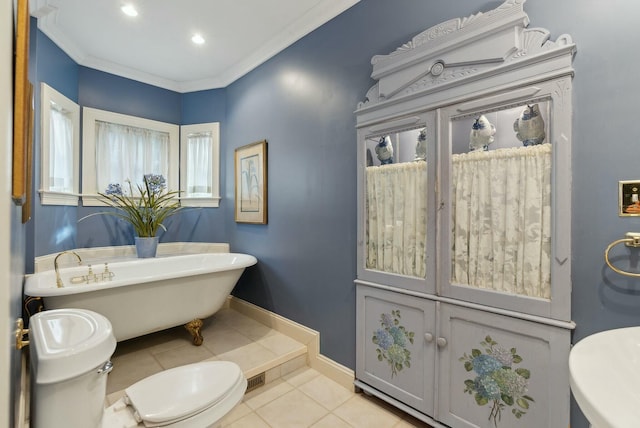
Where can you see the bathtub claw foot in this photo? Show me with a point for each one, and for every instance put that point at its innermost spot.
(194, 327)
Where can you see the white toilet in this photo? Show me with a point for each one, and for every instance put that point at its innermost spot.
(70, 351)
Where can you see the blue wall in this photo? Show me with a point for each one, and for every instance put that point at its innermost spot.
(56, 228)
(207, 224)
(302, 102)
(53, 228)
(108, 92)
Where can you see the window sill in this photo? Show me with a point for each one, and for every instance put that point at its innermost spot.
(200, 202)
(58, 198)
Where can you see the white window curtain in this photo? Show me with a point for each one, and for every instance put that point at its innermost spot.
(127, 153)
(397, 218)
(61, 151)
(501, 215)
(199, 164)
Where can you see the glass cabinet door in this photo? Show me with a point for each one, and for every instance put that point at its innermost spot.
(499, 165)
(501, 200)
(393, 189)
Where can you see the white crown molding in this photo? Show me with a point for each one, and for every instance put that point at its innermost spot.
(46, 12)
(39, 8)
(313, 19)
(129, 73)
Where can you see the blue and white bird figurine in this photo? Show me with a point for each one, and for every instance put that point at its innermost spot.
(384, 150)
(529, 126)
(421, 147)
(481, 135)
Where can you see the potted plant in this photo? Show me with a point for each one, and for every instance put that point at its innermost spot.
(145, 211)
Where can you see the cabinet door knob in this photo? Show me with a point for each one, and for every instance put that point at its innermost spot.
(428, 337)
(442, 342)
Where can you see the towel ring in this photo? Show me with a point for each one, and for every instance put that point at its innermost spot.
(632, 240)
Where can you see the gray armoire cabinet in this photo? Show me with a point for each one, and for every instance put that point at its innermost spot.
(464, 211)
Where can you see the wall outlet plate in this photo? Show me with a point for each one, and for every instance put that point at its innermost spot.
(629, 198)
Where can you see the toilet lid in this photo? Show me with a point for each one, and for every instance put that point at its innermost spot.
(178, 393)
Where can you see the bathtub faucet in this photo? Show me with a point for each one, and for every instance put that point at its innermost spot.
(55, 266)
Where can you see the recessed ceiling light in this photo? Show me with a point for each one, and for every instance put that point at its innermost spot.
(197, 39)
(129, 10)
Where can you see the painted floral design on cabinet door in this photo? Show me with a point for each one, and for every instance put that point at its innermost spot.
(498, 382)
(392, 340)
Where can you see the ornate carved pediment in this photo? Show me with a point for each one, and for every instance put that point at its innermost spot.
(458, 49)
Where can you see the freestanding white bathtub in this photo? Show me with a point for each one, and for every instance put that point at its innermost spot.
(146, 295)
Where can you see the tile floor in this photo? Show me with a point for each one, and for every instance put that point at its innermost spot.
(295, 396)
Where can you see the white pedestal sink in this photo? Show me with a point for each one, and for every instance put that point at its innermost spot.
(605, 377)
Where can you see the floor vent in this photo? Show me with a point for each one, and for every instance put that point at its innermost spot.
(255, 382)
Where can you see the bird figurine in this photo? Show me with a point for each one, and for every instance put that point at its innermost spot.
(421, 147)
(529, 126)
(481, 135)
(384, 150)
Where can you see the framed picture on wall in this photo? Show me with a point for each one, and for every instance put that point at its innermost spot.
(26, 206)
(21, 103)
(251, 183)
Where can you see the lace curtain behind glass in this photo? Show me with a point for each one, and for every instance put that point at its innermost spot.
(397, 218)
(501, 220)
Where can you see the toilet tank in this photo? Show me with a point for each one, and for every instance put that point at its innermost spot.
(69, 352)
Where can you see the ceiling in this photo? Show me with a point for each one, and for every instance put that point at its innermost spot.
(155, 47)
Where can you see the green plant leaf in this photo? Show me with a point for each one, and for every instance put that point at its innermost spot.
(146, 212)
(475, 353)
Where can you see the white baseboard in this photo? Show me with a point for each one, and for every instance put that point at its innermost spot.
(311, 338)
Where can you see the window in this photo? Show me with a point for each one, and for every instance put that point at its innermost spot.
(118, 147)
(200, 165)
(60, 125)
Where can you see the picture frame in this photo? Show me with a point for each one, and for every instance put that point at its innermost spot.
(22, 104)
(26, 205)
(251, 183)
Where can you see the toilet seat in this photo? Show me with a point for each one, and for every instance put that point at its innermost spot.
(194, 395)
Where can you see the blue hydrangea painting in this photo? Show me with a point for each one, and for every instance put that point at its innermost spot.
(498, 382)
(392, 340)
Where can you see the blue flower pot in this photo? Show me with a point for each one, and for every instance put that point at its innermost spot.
(146, 247)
